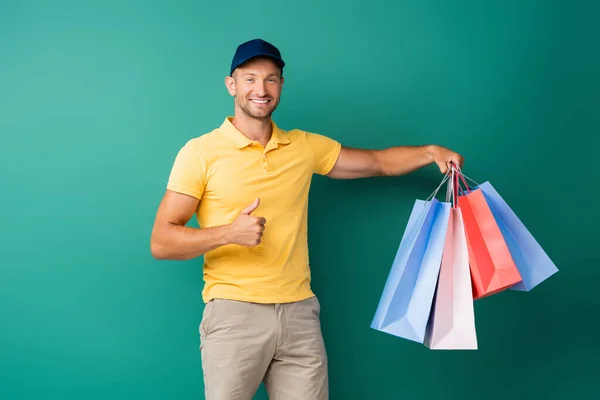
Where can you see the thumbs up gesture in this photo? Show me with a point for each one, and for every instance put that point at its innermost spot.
(247, 229)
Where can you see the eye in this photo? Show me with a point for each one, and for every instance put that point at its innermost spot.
(249, 80)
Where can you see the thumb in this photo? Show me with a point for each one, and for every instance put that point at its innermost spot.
(248, 210)
(442, 166)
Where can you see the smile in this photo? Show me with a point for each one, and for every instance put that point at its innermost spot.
(260, 101)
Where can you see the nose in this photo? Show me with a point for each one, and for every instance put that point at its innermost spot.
(260, 88)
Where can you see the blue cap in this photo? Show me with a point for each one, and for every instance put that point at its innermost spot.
(255, 48)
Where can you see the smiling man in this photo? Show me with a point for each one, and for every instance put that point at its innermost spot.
(247, 182)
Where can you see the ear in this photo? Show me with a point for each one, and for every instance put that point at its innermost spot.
(230, 84)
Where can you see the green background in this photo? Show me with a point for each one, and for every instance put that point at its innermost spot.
(96, 98)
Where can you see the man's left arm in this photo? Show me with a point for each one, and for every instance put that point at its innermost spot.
(393, 161)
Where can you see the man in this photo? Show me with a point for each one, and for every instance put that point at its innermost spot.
(248, 182)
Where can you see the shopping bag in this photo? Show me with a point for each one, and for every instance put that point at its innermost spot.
(405, 304)
(533, 263)
(492, 266)
(452, 321)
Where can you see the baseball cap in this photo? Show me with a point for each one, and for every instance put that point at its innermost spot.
(255, 48)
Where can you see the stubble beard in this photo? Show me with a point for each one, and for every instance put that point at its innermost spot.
(245, 108)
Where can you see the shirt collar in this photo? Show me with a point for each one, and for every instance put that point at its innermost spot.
(241, 141)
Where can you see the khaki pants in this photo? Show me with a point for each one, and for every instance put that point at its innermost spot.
(244, 344)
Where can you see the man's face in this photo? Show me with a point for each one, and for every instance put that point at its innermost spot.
(256, 86)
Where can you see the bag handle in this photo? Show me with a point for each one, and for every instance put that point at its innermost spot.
(451, 189)
(461, 176)
(432, 195)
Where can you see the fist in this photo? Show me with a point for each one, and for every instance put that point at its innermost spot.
(445, 158)
(248, 229)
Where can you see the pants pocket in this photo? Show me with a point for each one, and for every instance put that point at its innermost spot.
(205, 323)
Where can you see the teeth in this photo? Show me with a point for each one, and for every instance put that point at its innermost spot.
(260, 101)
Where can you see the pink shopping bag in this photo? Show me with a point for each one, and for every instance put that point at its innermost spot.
(452, 321)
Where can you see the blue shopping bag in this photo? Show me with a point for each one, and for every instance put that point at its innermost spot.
(405, 304)
(534, 265)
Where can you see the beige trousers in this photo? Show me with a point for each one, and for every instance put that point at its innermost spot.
(244, 344)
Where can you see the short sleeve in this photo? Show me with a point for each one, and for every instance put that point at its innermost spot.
(188, 174)
(325, 152)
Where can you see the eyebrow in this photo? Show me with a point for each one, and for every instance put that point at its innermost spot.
(253, 74)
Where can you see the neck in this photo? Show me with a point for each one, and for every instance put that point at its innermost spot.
(253, 128)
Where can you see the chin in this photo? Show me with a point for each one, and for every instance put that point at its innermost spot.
(261, 113)
(252, 112)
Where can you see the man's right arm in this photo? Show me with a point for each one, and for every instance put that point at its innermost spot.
(172, 240)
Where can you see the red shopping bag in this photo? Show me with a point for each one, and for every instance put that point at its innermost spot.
(492, 266)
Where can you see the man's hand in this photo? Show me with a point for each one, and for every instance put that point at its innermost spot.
(444, 157)
(247, 230)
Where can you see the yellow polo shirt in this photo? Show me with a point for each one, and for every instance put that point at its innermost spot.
(227, 171)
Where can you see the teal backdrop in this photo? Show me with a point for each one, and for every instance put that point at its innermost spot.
(97, 97)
